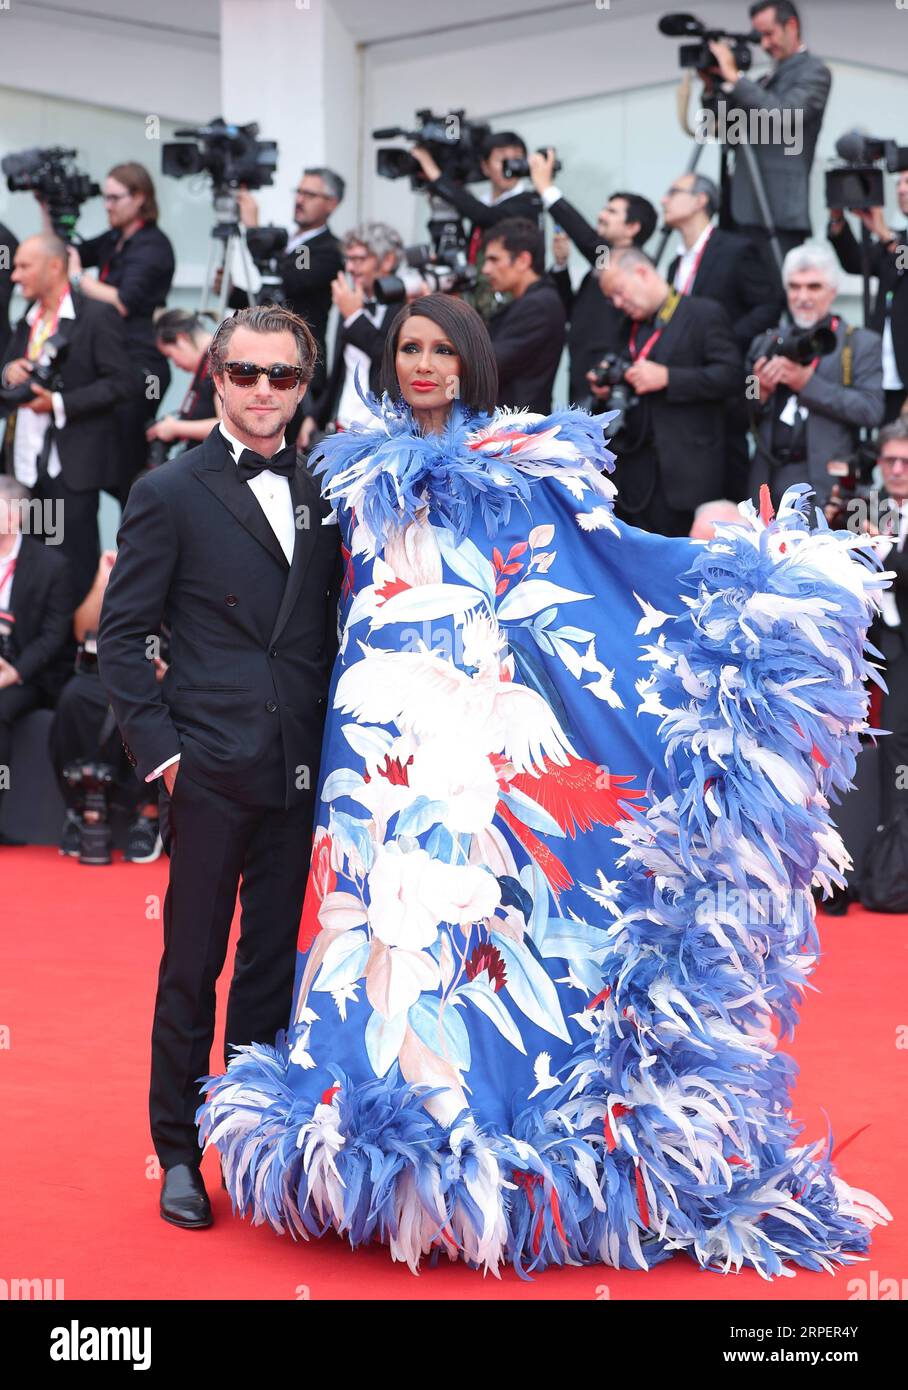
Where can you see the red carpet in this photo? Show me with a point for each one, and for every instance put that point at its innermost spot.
(80, 949)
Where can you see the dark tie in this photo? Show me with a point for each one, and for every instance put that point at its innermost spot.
(250, 465)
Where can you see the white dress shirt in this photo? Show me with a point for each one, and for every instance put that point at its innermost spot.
(6, 588)
(889, 609)
(300, 238)
(689, 260)
(31, 428)
(272, 492)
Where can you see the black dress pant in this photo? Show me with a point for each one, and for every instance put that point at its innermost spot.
(81, 543)
(214, 842)
(15, 700)
(80, 718)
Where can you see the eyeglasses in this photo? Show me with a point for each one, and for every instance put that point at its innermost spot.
(281, 376)
(309, 193)
(890, 460)
(115, 197)
(675, 189)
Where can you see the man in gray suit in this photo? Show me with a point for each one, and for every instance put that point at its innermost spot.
(784, 110)
(808, 416)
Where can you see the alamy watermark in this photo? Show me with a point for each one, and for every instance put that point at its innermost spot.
(757, 125)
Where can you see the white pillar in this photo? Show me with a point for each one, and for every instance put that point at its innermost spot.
(291, 66)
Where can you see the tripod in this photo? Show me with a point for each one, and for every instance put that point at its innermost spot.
(226, 238)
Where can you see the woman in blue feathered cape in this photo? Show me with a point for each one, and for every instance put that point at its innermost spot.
(574, 796)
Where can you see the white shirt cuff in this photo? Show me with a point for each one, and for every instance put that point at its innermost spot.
(158, 770)
(56, 401)
(551, 195)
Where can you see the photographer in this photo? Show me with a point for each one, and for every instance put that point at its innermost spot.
(8, 245)
(809, 415)
(306, 275)
(627, 219)
(890, 631)
(61, 440)
(370, 250)
(135, 271)
(680, 359)
(528, 333)
(183, 338)
(888, 260)
(35, 617)
(795, 90)
(85, 732)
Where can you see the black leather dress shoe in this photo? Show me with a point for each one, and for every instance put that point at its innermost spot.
(184, 1201)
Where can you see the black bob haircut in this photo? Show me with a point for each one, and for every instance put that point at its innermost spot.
(469, 337)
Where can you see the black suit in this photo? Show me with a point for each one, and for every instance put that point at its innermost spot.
(890, 273)
(42, 605)
(672, 455)
(526, 203)
(363, 334)
(10, 244)
(527, 338)
(893, 643)
(97, 375)
(736, 273)
(595, 323)
(243, 703)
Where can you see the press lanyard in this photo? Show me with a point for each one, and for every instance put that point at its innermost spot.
(10, 570)
(43, 328)
(696, 265)
(665, 314)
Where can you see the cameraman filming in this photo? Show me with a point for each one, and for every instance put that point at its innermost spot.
(306, 274)
(888, 261)
(809, 415)
(680, 359)
(627, 219)
(796, 89)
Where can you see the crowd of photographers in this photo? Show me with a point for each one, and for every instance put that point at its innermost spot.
(724, 371)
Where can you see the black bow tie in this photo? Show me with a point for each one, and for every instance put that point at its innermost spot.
(250, 465)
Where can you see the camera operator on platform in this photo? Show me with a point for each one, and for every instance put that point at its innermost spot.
(306, 277)
(136, 265)
(798, 84)
(627, 219)
(682, 364)
(812, 414)
(888, 261)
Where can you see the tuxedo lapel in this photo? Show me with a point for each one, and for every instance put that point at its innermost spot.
(307, 516)
(217, 470)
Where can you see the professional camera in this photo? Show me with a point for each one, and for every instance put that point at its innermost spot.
(859, 182)
(91, 784)
(520, 168)
(52, 174)
(802, 345)
(454, 143)
(609, 371)
(266, 245)
(7, 636)
(231, 154)
(46, 374)
(428, 271)
(699, 55)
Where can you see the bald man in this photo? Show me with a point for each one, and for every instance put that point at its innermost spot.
(59, 437)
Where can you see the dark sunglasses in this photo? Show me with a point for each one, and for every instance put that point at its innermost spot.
(281, 376)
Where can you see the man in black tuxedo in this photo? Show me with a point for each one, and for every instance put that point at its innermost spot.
(371, 250)
(685, 365)
(528, 333)
(626, 219)
(226, 545)
(36, 611)
(888, 261)
(62, 443)
(312, 258)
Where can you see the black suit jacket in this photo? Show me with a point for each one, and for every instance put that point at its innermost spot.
(41, 601)
(252, 640)
(362, 333)
(527, 203)
(528, 337)
(97, 373)
(885, 266)
(9, 242)
(735, 272)
(705, 369)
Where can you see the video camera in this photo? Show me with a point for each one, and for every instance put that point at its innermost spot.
(520, 168)
(699, 55)
(231, 154)
(46, 374)
(454, 143)
(430, 271)
(52, 174)
(859, 182)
